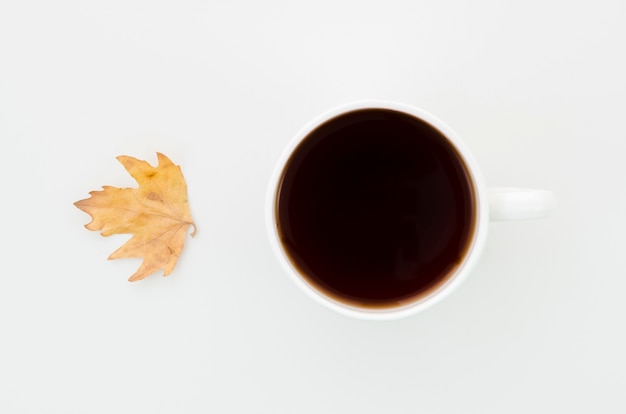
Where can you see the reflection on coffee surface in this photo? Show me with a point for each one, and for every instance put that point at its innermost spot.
(375, 208)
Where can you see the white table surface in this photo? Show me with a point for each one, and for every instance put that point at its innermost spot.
(536, 89)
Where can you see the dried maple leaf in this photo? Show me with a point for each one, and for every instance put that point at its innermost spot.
(156, 214)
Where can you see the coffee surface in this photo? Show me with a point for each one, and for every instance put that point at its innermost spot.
(375, 208)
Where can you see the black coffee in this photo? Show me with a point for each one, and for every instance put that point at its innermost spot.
(375, 208)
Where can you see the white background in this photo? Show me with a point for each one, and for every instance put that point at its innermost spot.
(536, 88)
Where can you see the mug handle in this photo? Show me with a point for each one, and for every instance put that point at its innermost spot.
(506, 203)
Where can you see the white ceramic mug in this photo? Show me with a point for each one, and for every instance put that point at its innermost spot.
(490, 204)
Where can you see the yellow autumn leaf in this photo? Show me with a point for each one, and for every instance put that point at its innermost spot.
(156, 214)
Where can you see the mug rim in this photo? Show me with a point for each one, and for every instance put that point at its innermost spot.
(471, 256)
